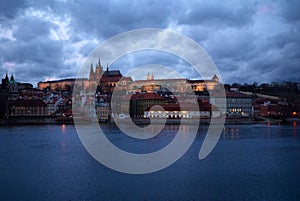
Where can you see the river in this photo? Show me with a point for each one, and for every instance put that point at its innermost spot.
(250, 162)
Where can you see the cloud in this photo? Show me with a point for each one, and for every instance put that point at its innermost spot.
(213, 13)
(249, 41)
(9, 9)
(290, 10)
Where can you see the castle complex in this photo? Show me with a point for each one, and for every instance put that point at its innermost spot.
(101, 84)
(105, 80)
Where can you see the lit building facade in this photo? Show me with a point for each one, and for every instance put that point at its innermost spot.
(141, 101)
(237, 104)
(24, 108)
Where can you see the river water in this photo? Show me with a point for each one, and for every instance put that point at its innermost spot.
(250, 162)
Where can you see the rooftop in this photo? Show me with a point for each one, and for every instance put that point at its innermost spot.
(29, 103)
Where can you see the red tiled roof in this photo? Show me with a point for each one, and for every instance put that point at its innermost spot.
(232, 95)
(146, 96)
(236, 95)
(112, 73)
(110, 79)
(29, 103)
(167, 107)
(127, 78)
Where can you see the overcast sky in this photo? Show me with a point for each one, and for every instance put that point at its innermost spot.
(249, 41)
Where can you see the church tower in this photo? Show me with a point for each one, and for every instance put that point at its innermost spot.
(148, 76)
(13, 87)
(98, 71)
(92, 77)
(5, 82)
(215, 78)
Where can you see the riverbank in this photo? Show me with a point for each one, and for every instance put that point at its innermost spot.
(27, 121)
(202, 121)
(142, 121)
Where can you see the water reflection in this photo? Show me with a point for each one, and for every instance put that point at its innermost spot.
(63, 128)
(63, 146)
(295, 129)
(268, 131)
(35, 158)
(231, 134)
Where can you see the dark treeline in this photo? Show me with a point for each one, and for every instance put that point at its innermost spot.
(283, 89)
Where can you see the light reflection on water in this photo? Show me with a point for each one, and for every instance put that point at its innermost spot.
(230, 133)
(295, 129)
(63, 128)
(250, 162)
(268, 130)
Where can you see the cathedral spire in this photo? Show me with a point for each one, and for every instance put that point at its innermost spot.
(12, 77)
(99, 62)
(92, 69)
(91, 72)
(6, 79)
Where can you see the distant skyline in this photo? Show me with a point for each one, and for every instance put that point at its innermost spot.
(249, 41)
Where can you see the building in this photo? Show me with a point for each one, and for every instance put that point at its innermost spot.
(90, 83)
(172, 111)
(204, 85)
(109, 81)
(9, 91)
(237, 104)
(63, 84)
(4, 95)
(266, 107)
(51, 107)
(180, 85)
(103, 108)
(28, 107)
(153, 85)
(141, 101)
(13, 88)
(96, 75)
(89, 108)
(25, 86)
(175, 110)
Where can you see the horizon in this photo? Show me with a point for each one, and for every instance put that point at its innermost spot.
(35, 85)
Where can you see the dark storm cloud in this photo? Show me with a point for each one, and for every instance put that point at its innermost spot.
(9, 9)
(290, 10)
(142, 58)
(106, 19)
(231, 13)
(248, 40)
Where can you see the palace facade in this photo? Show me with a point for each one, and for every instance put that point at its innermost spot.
(104, 81)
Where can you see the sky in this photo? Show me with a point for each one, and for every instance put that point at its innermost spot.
(249, 41)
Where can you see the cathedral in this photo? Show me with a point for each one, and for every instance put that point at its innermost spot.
(105, 80)
(96, 75)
